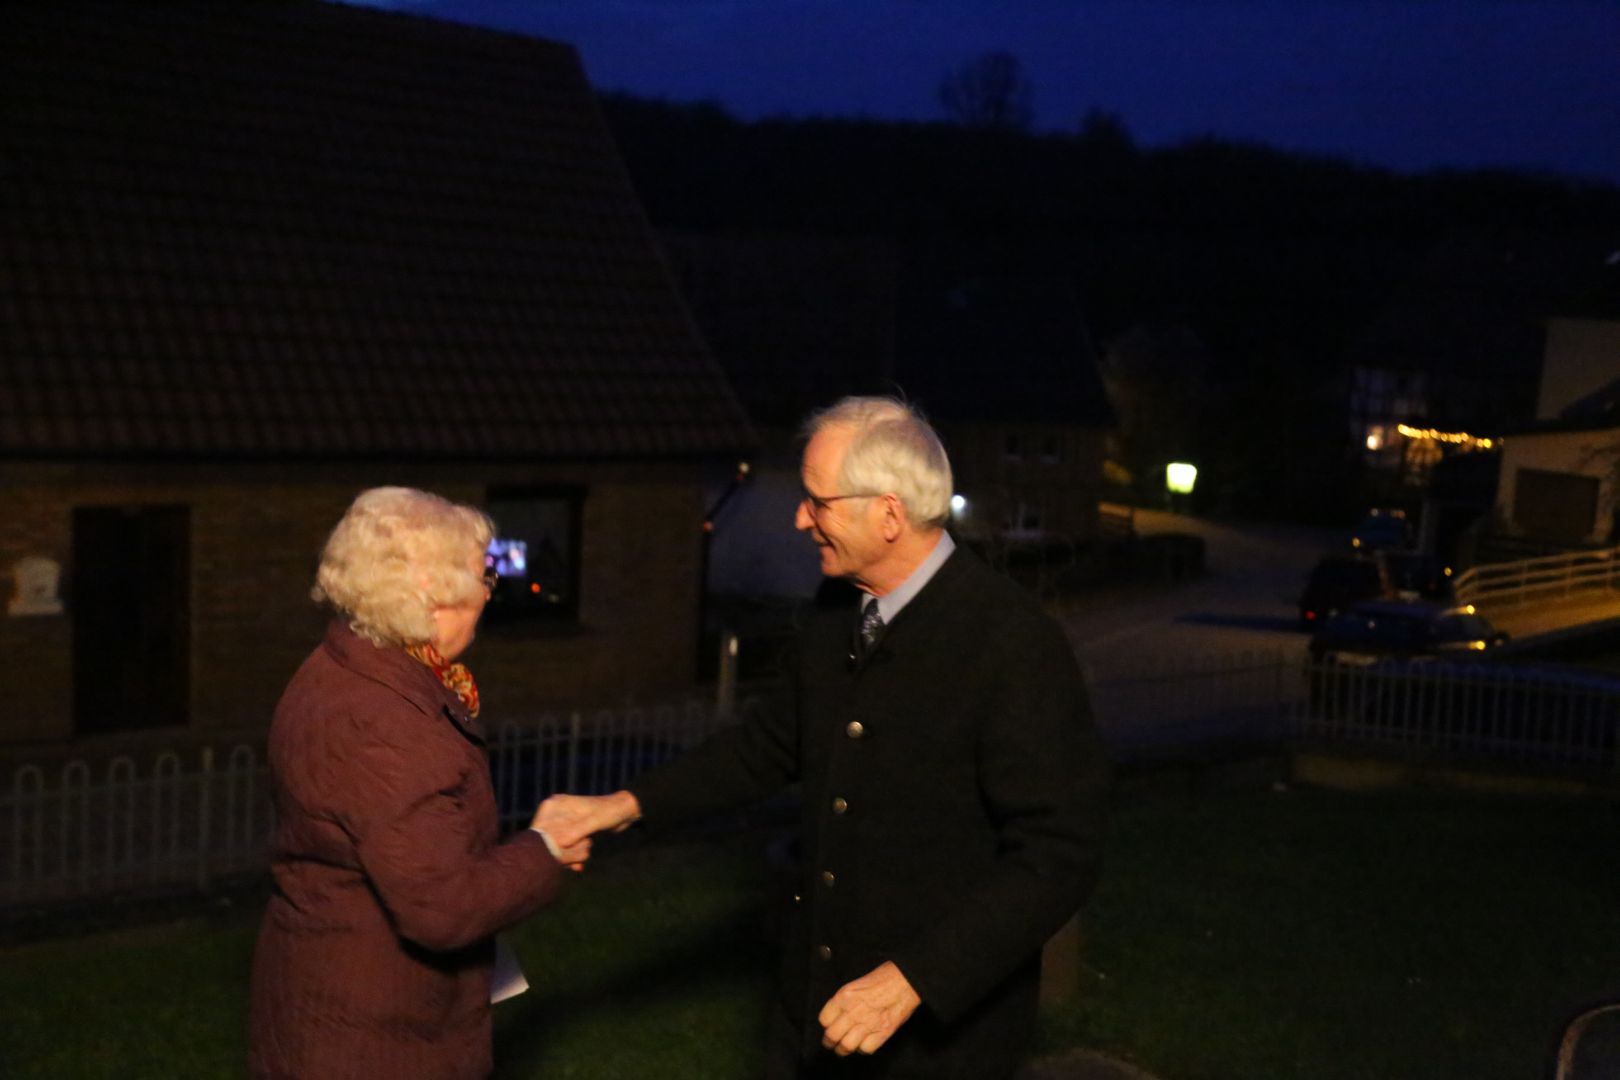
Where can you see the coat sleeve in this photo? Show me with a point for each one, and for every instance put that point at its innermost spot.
(413, 808)
(736, 766)
(1043, 779)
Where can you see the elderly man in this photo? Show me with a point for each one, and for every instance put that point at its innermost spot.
(952, 780)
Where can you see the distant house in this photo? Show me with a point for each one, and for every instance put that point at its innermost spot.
(256, 257)
(1559, 483)
(1000, 362)
(1006, 365)
(1455, 354)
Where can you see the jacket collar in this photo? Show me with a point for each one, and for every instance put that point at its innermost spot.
(934, 595)
(403, 674)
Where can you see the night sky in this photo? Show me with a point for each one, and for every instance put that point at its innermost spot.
(1409, 84)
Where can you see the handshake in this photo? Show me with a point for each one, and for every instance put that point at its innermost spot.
(567, 822)
(858, 1019)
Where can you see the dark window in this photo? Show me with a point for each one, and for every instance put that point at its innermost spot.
(536, 551)
(1555, 506)
(130, 600)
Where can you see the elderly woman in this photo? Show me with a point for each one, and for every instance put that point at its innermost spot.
(375, 953)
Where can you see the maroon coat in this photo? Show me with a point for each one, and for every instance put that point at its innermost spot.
(374, 956)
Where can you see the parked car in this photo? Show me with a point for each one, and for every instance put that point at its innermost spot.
(1338, 582)
(1402, 629)
(1414, 576)
(1381, 530)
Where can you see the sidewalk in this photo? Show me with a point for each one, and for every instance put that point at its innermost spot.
(1082, 1065)
(1580, 614)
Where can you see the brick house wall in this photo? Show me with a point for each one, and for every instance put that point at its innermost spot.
(255, 535)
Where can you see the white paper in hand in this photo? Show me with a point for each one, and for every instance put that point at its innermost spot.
(507, 979)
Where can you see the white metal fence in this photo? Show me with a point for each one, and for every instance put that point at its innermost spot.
(122, 828)
(594, 753)
(1525, 715)
(1158, 705)
(1540, 580)
(172, 824)
(178, 825)
(1529, 716)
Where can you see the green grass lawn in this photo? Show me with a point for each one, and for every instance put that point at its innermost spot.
(1237, 936)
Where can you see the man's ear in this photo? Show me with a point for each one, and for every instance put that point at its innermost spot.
(894, 521)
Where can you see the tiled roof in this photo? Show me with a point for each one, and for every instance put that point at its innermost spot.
(300, 229)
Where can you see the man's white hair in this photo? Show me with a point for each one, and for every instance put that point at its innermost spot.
(894, 451)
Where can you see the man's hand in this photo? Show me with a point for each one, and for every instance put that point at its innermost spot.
(571, 819)
(864, 1012)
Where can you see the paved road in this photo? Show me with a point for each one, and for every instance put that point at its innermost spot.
(1223, 635)
(1536, 621)
(1247, 600)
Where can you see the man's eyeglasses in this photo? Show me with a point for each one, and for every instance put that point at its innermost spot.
(492, 578)
(820, 503)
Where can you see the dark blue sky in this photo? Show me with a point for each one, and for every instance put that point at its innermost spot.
(1411, 84)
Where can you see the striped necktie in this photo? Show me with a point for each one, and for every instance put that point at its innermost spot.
(871, 626)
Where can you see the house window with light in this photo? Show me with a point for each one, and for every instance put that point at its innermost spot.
(536, 553)
(1380, 400)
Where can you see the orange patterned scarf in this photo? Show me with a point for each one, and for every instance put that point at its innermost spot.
(455, 677)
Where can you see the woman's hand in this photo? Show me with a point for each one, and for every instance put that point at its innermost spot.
(568, 849)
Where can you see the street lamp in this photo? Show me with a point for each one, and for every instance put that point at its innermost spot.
(1179, 477)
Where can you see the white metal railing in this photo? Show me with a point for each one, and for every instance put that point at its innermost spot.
(1525, 715)
(594, 753)
(75, 833)
(1159, 703)
(176, 825)
(1539, 580)
(180, 825)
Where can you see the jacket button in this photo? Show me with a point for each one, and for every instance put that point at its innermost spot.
(824, 951)
(854, 729)
(839, 804)
(828, 879)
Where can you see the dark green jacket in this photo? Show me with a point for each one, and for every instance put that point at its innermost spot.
(953, 811)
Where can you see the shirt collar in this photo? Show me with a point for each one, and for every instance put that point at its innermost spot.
(891, 602)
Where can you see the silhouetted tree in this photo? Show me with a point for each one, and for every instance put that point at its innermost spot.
(1106, 132)
(990, 92)
(1275, 262)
